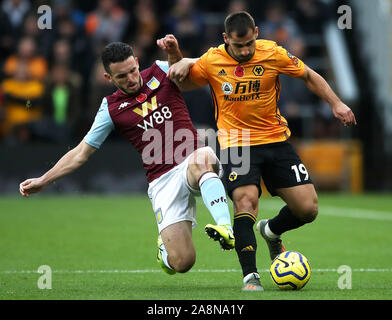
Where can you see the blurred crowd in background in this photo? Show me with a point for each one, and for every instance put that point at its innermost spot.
(52, 83)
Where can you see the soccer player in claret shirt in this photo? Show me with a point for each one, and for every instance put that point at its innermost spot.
(243, 74)
(149, 106)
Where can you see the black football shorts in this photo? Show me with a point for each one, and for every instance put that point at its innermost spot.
(278, 164)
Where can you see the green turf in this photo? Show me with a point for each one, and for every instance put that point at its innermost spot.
(104, 247)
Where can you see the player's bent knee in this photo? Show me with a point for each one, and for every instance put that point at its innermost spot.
(310, 211)
(184, 267)
(245, 204)
(245, 201)
(204, 160)
(183, 264)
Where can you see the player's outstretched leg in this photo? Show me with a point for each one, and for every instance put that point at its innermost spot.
(301, 208)
(202, 175)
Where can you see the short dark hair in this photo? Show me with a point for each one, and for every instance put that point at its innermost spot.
(115, 52)
(240, 22)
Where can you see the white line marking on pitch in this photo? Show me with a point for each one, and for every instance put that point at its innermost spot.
(344, 212)
(195, 271)
(335, 211)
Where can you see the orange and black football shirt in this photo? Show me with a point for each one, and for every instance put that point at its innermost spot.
(246, 94)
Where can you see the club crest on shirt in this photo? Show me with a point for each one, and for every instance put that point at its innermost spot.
(233, 176)
(258, 70)
(153, 83)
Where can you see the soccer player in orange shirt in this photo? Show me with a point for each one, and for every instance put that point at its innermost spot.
(243, 74)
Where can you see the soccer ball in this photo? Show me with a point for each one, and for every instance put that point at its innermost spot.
(290, 270)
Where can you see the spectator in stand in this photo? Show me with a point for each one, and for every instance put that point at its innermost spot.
(80, 45)
(12, 17)
(43, 39)
(62, 55)
(311, 15)
(187, 23)
(143, 32)
(99, 87)
(60, 107)
(295, 97)
(26, 54)
(75, 46)
(237, 6)
(22, 96)
(278, 26)
(64, 9)
(106, 23)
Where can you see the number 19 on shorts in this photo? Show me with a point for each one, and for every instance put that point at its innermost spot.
(298, 170)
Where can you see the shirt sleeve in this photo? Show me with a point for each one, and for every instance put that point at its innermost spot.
(288, 64)
(198, 73)
(164, 65)
(101, 127)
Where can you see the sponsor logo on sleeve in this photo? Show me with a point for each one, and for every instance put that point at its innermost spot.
(294, 59)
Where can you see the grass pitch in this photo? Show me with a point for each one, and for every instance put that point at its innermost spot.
(104, 247)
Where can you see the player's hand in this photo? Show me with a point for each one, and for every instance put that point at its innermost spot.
(30, 186)
(180, 70)
(169, 44)
(344, 114)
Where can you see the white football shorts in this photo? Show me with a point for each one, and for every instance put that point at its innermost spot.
(173, 200)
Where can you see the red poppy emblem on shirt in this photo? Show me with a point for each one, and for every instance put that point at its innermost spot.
(141, 97)
(239, 71)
